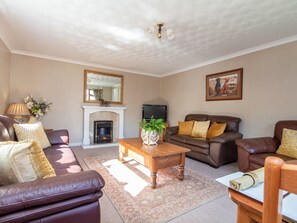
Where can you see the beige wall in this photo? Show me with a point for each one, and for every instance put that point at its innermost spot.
(62, 84)
(269, 90)
(4, 77)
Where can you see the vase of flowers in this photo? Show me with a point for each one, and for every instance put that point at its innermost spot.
(37, 108)
(151, 130)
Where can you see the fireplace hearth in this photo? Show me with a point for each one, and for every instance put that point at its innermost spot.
(103, 132)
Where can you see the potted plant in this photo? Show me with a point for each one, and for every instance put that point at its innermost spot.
(151, 130)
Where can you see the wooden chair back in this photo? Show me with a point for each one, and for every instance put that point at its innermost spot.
(278, 176)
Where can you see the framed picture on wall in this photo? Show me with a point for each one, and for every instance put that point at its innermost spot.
(226, 85)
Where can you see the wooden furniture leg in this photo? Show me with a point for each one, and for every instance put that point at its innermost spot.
(181, 167)
(243, 216)
(121, 155)
(181, 170)
(153, 179)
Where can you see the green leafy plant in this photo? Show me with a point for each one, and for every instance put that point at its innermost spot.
(153, 124)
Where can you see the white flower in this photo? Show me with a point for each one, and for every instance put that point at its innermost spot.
(37, 107)
(29, 105)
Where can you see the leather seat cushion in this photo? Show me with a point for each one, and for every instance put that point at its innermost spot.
(62, 159)
(191, 140)
(260, 157)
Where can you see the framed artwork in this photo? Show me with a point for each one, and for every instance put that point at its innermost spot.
(226, 85)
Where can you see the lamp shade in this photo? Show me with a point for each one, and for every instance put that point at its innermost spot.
(17, 109)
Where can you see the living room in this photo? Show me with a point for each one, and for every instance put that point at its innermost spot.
(268, 84)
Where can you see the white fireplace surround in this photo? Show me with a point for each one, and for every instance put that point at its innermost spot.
(88, 110)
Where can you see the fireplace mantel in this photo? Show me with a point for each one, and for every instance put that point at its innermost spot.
(88, 110)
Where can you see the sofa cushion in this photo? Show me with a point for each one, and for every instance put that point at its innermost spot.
(288, 145)
(178, 138)
(201, 142)
(200, 129)
(32, 131)
(191, 140)
(280, 125)
(232, 123)
(62, 159)
(215, 130)
(259, 158)
(23, 161)
(185, 128)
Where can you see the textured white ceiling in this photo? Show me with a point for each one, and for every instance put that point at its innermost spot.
(111, 33)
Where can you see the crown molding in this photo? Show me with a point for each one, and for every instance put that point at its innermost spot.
(5, 40)
(236, 54)
(79, 62)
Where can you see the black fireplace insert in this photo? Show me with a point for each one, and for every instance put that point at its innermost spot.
(103, 131)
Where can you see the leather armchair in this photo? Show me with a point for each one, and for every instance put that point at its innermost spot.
(215, 151)
(252, 152)
(71, 196)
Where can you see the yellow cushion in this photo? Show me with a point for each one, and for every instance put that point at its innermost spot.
(23, 161)
(185, 128)
(288, 145)
(200, 129)
(216, 130)
(32, 131)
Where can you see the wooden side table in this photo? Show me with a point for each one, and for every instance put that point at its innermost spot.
(248, 209)
(249, 202)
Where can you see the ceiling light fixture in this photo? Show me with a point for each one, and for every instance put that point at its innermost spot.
(158, 29)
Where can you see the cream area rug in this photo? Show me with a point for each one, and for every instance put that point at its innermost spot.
(128, 188)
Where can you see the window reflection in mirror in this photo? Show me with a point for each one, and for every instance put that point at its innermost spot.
(101, 86)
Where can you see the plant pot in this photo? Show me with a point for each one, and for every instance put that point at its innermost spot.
(149, 138)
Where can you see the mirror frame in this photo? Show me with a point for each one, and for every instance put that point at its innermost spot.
(104, 74)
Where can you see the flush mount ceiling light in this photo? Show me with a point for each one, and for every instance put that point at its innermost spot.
(158, 30)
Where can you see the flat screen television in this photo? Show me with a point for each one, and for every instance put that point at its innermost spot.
(158, 111)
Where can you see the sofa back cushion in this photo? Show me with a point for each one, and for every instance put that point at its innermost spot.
(196, 117)
(6, 129)
(280, 125)
(232, 123)
(32, 131)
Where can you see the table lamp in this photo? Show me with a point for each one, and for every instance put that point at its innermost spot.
(17, 111)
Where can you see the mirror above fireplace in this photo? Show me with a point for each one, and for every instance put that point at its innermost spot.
(100, 87)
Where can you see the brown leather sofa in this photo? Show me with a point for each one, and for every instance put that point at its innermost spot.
(214, 151)
(71, 196)
(252, 152)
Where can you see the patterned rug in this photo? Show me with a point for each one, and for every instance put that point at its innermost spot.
(128, 188)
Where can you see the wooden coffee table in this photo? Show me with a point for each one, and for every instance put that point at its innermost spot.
(154, 157)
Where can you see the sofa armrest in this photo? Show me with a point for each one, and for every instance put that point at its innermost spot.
(258, 145)
(58, 136)
(172, 130)
(45, 192)
(226, 137)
